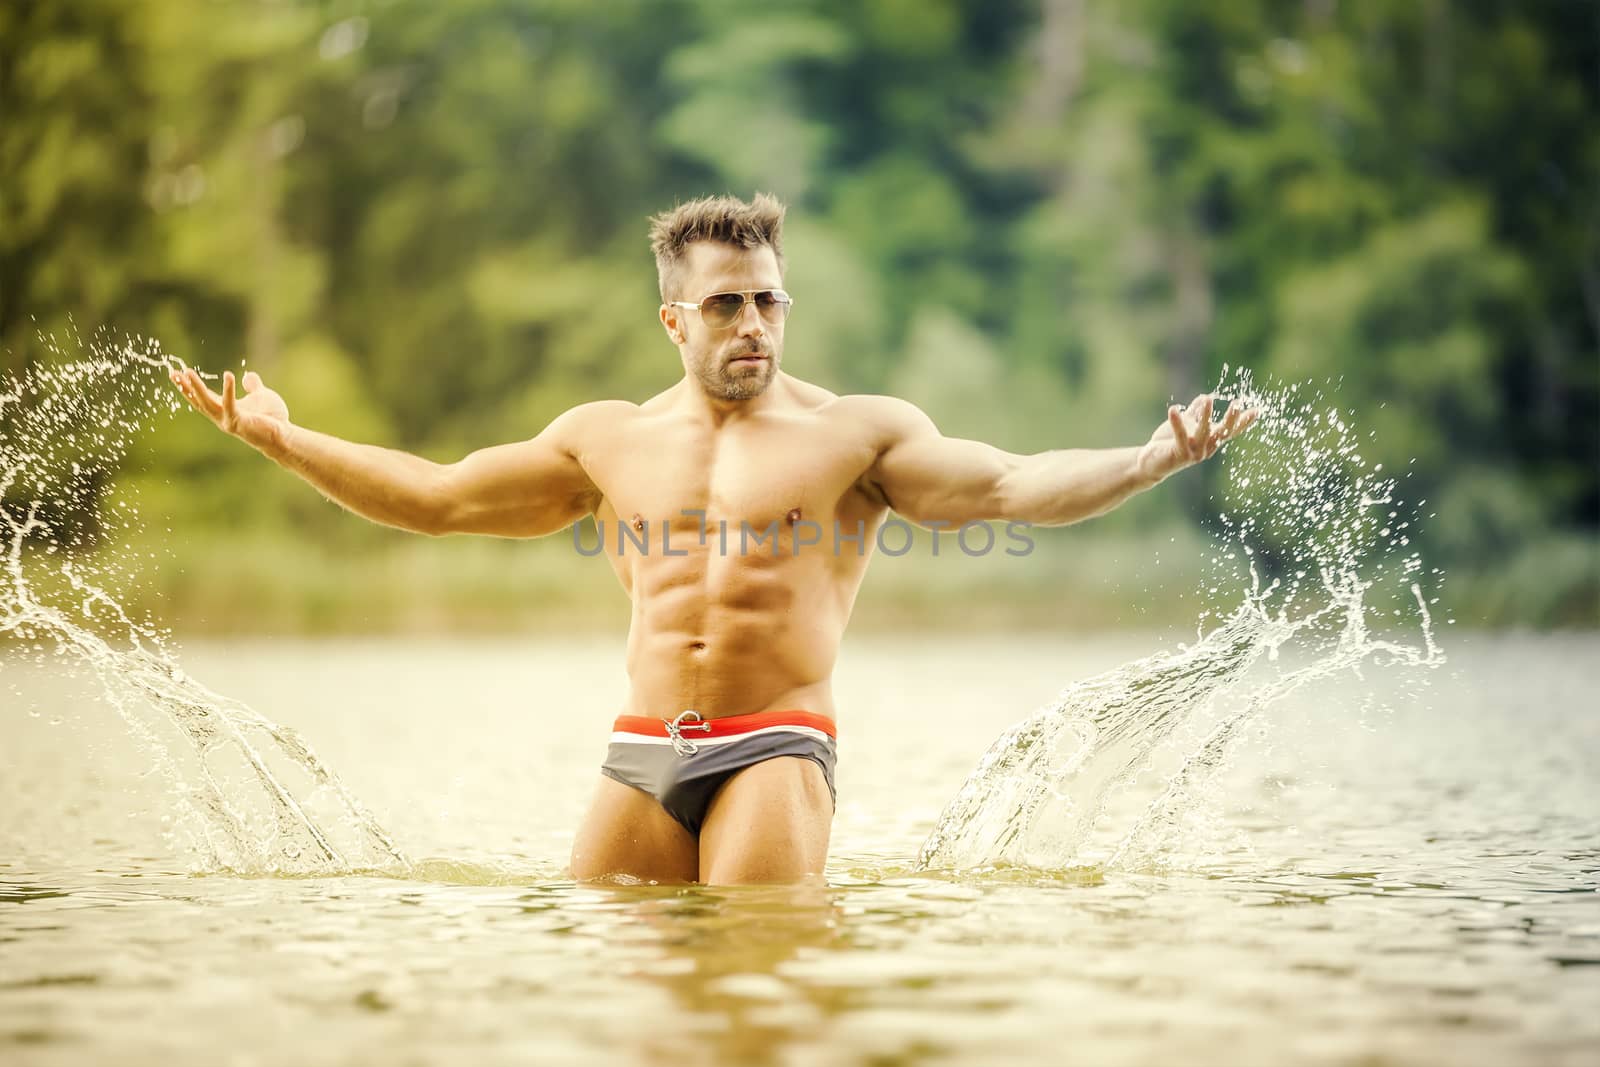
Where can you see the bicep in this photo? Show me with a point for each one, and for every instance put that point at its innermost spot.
(930, 478)
(524, 489)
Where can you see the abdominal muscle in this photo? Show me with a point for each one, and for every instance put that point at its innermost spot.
(735, 634)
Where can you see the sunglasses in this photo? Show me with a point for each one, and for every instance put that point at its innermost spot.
(721, 310)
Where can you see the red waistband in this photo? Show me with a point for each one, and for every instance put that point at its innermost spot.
(728, 725)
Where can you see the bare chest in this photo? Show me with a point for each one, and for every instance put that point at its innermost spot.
(733, 477)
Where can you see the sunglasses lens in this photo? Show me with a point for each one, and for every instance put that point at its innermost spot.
(720, 309)
(773, 305)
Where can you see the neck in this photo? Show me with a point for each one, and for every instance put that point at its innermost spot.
(717, 411)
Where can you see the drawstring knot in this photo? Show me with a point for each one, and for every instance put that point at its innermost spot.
(686, 720)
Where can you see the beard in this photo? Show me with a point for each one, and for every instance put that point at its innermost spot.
(726, 380)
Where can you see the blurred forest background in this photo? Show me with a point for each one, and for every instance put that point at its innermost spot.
(424, 224)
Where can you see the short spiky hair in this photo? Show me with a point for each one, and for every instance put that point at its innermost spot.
(713, 218)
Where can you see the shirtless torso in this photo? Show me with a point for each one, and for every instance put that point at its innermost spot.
(775, 515)
(724, 621)
(749, 617)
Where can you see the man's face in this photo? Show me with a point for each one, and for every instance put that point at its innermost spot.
(739, 361)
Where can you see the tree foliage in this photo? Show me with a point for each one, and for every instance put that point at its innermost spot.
(425, 222)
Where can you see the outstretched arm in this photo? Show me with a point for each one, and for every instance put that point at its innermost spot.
(930, 478)
(525, 489)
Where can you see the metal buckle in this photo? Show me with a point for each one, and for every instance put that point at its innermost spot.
(680, 744)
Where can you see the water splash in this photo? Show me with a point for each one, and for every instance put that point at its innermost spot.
(259, 799)
(1300, 504)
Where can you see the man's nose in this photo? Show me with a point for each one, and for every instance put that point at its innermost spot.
(749, 322)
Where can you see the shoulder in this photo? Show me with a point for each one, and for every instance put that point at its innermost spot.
(577, 430)
(892, 417)
(601, 410)
(594, 415)
(886, 422)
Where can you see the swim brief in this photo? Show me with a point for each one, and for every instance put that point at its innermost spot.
(682, 763)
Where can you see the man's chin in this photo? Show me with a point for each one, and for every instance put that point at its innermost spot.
(748, 385)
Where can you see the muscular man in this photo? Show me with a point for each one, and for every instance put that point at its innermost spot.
(738, 508)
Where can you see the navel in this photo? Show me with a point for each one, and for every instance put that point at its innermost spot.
(794, 516)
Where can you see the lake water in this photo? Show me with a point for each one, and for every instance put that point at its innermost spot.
(1381, 874)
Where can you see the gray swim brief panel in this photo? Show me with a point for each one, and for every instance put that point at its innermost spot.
(682, 763)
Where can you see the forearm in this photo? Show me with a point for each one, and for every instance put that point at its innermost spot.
(382, 484)
(1056, 488)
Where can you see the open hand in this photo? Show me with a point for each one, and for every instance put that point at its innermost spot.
(259, 418)
(1189, 435)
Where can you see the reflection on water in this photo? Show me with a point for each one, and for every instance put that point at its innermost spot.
(1497, 964)
(719, 956)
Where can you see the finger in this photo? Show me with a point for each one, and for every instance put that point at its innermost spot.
(1192, 424)
(252, 381)
(1203, 428)
(208, 400)
(1246, 421)
(1180, 432)
(1225, 431)
(183, 390)
(228, 411)
(1230, 423)
(204, 399)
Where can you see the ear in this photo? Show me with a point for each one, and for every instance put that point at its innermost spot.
(672, 324)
